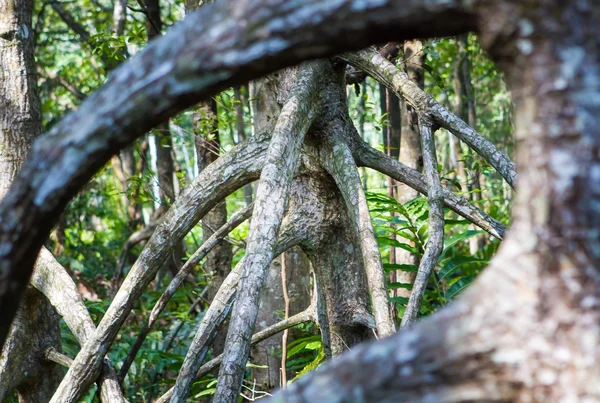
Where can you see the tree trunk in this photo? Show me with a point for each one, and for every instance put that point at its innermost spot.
(465, 109)
(410, 154)
(35, 328)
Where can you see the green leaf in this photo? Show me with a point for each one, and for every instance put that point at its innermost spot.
(399, 300)
(382, 241)
(314, 345)
(459, 286)
(434, 75)
(448, 243)
(452, 265)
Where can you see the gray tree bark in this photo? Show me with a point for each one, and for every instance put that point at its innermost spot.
(35, 327)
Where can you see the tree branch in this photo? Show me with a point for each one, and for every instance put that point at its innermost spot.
(51, 354)
(52, 280)
(187, 268)
(70, 21)
(435, 240)
(288, 237)
(398, 81)
(305, 316)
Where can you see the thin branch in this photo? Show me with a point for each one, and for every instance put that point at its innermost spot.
(56, 79)
(435, 240)
(308, 315)
(398, 81)
(187, 268)
(138, 236)
(288, 237)
(272, 194)
(286, 313)
(70, 21)
(52, 355)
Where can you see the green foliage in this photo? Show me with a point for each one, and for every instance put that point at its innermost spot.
(405, 226)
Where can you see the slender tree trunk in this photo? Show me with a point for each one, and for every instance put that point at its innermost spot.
(35, 328)
(410, 153)
(218, 261)
(465, 109)
(240, 101)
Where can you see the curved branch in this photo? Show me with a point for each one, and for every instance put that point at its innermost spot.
(365, 155)
(272, 194)
(246, 39)
(398, 81)
(52, 280)
(435, 240)
(227, 174)
(187, 268)
(339, 163)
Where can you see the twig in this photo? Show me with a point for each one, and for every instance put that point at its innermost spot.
(284, 338)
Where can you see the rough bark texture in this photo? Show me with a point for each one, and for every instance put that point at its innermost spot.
(35, 328)
(52, 280)
(337, 159)
(23, 366)
(268, 94)
(541, 344)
